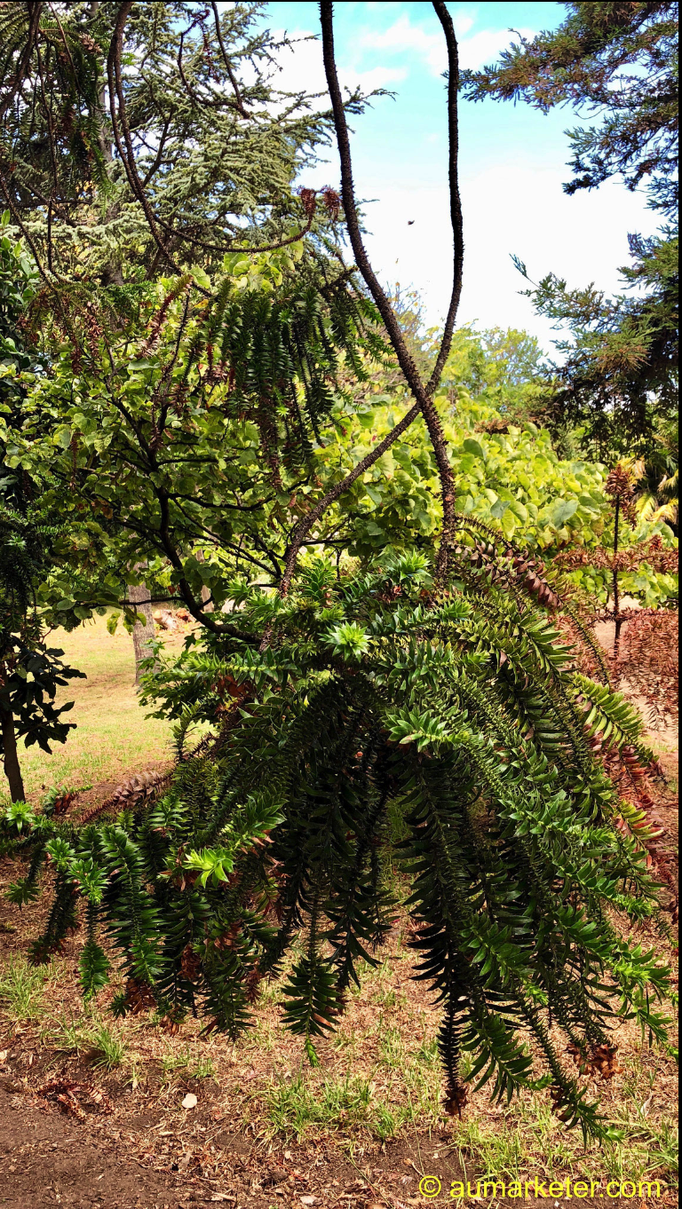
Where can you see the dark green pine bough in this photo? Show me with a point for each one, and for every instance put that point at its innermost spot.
(385, 721)
(409, 716)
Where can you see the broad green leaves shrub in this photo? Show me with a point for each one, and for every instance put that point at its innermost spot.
(513, 481)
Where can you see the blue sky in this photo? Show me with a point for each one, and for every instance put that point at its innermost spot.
(512, 161)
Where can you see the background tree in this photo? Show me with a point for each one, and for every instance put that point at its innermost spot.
(136, 139)
(30, 671)
(617, 63)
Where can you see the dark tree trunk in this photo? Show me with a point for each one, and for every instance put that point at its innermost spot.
(616, 592)
(11, 758)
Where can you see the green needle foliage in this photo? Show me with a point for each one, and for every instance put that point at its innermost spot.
(138, 137)
(616, 65)
(379, 706)
(357, 720)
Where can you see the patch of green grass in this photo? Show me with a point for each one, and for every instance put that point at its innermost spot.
(492, 1153)
(295, 1105)
(342, 1040)
(108, 1048)
(531, 1138)
(389, 998)
(203, 1069)
(105, 1045)
(67, 1035)
(391, 1049)
(113, 736)
(428, 1052)
(388, 1120)
(263, 1036)
(198, 1068)
(22, 989)
(171, 1063)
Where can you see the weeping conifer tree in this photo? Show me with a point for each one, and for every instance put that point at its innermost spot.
(424, 712)
(382, 706)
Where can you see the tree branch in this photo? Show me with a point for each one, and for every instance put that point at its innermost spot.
(306, 523)
(405, 360)
(455, 202)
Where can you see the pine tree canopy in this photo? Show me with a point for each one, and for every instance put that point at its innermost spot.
(141, 138)
(616, 65)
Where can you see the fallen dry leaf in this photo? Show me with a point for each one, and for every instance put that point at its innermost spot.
(190, 1100)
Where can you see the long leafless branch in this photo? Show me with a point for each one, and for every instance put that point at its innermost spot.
(455, 202)
(422, 393)
(306, 522)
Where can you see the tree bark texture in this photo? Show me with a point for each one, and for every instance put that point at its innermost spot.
(142, 633)
(11, 757)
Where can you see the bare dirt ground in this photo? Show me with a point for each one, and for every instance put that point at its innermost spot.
(97, 1113)
(358, 1133)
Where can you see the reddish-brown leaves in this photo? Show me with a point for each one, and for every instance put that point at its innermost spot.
(75, 1098)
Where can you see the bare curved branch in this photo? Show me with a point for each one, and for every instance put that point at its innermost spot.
(455, 202)
(306, 523)
(384, 307)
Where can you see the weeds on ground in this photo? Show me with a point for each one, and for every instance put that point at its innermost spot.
(105, 1046)
(22, 989)
(197, 1068)
(531, 1138)
(108, 1048)
(293, 1105)
(400, 1087)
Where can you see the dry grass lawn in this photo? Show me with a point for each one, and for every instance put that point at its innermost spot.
(113, 735)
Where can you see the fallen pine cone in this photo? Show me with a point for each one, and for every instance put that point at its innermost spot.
(140, 786)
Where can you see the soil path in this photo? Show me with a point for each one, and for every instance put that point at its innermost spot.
(48, 1159)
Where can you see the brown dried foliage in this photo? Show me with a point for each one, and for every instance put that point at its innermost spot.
(138, 997)
(600, 1061)
(62, 803)
(515, 570)
(75, 1098)
(648, 667)
(648, 660)
(138, 788)
(653, 552)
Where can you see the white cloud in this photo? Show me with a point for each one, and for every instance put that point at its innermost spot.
(463, 22)
(302, 69)
(509, 208)
(404, 35)
(485, 46)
